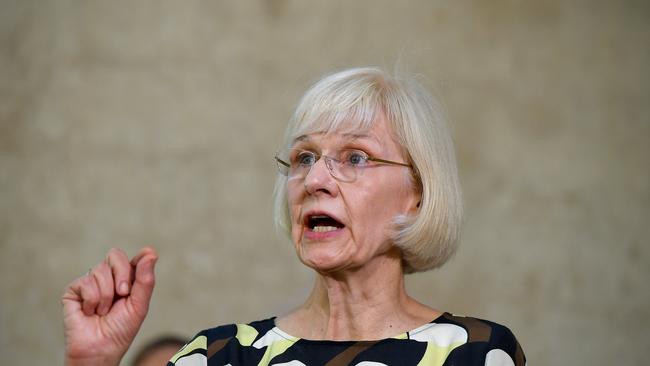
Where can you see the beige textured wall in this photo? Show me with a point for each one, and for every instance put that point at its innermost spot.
(124, 123)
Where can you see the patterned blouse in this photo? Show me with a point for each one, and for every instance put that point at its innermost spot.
(447, 340)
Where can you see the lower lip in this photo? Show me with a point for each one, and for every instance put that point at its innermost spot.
(316, 235)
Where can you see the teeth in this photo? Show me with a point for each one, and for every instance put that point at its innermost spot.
(323, 229)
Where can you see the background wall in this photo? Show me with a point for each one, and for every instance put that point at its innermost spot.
(130, 123)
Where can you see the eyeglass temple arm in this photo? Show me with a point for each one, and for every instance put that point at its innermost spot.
(389, 162)
(282, 162)
(371, 159)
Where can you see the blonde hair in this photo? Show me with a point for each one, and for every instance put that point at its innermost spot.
(349, 100)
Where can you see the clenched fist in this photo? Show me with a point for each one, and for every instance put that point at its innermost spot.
(103, 310)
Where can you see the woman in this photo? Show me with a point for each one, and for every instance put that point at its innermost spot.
(368, 192)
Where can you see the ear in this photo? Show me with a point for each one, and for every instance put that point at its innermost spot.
(416, 200)
(415, 208)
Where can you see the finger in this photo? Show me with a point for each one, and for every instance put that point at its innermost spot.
(145, 251)
(89, 293)
(122, 271)
(144, 283)
(71, 298)
(104, 278)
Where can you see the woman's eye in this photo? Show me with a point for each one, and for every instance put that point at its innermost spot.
(305, 158)
(356, 158)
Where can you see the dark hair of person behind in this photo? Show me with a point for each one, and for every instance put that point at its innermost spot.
(159, 342)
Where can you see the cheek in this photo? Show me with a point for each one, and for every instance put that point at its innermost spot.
(293, 199)
(294, 202)
(378, 204)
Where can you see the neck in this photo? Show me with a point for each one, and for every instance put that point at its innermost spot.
(366, 303)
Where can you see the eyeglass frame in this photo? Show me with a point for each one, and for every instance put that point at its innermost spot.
(330, 169)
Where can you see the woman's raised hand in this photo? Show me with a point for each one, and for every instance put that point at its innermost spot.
(103, 310)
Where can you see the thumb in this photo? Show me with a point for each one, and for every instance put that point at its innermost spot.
(145, 278)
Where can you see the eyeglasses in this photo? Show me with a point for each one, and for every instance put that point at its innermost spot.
(344, 166)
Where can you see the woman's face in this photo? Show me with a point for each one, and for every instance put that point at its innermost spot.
(362, 211)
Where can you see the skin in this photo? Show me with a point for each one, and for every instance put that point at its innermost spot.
(103, 310)
(359, 291)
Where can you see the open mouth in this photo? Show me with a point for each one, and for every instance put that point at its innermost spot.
(323, 223)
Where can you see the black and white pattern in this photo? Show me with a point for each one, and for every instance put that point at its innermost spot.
(447, 340)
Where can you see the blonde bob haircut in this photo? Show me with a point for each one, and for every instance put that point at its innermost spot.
(348, 101)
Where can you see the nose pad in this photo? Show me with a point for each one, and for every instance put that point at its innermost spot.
(330, 165)
(314, 168)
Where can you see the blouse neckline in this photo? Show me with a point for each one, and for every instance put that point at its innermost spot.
(401, 336)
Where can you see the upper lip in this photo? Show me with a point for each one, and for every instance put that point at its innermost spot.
(308, 214)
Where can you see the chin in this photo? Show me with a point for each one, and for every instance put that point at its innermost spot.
(324, 260)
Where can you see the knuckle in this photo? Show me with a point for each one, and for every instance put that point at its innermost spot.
(116, 252)
(106, 297)
(90, 296)
(148, 280)
(103, 268)
(88, 286)
(123, 272)
(87, 280)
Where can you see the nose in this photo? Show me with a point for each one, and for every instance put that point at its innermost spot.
(320, 180)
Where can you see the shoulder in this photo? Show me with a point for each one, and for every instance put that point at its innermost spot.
(210, 341)
(484, 339)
